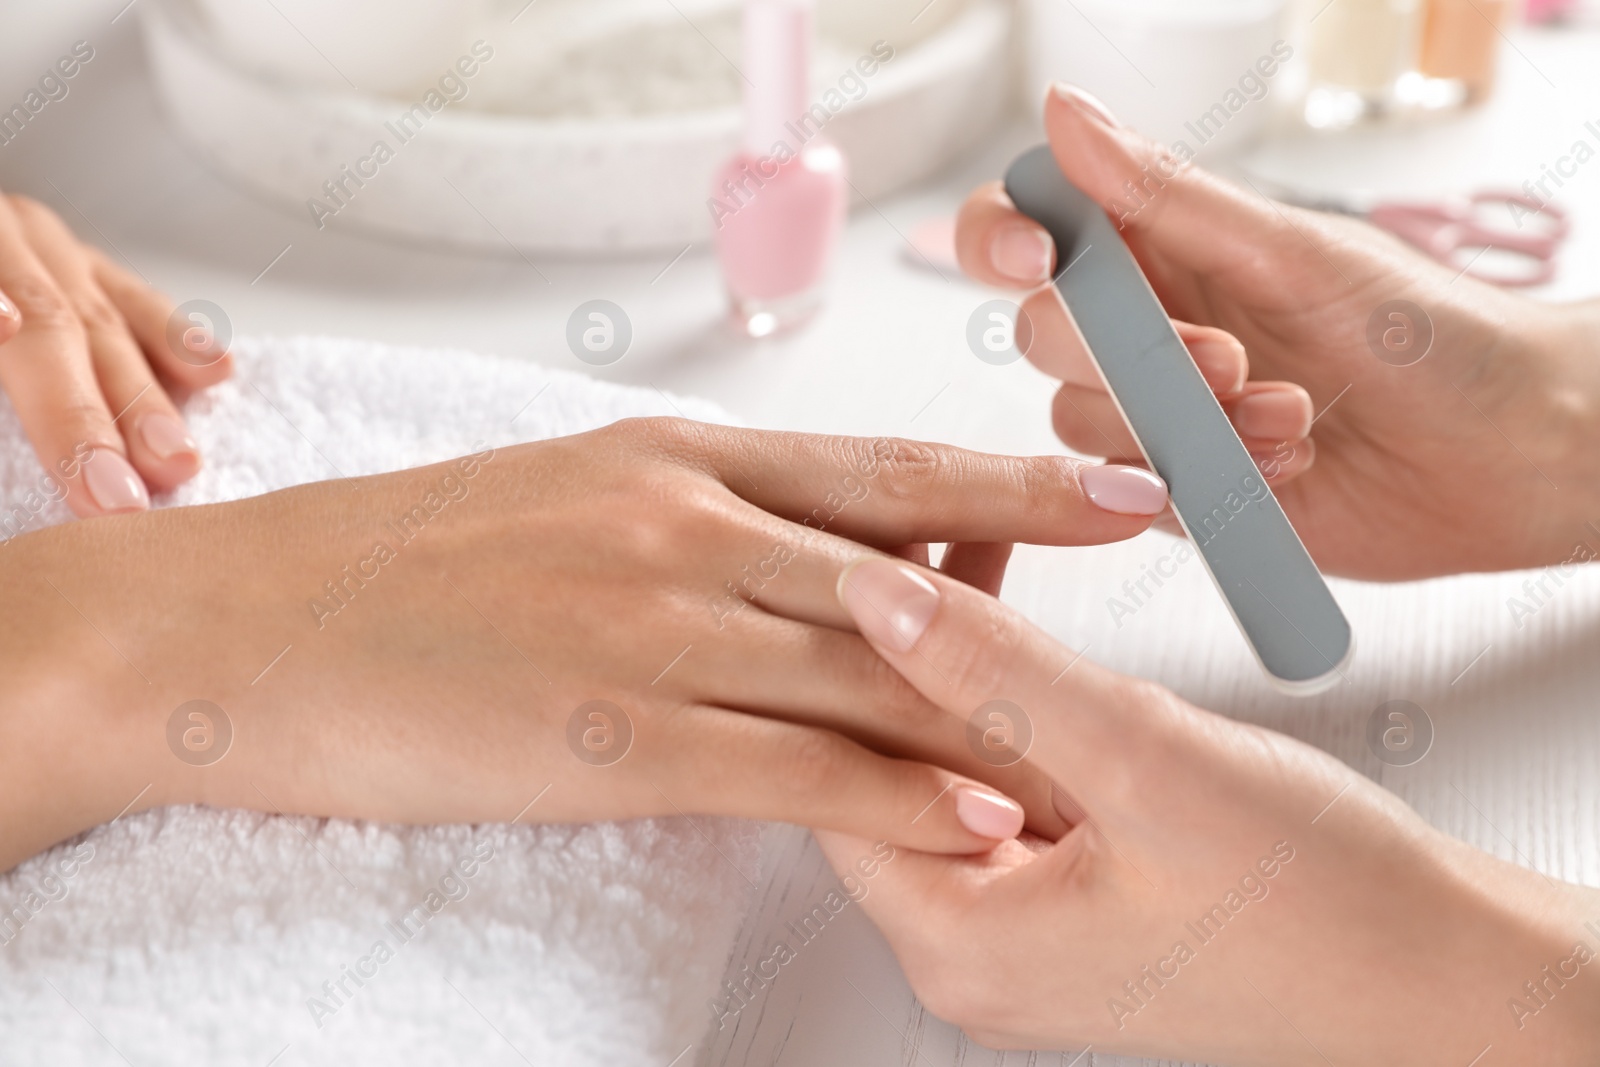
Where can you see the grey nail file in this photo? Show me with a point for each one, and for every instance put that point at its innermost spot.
(1274, 590)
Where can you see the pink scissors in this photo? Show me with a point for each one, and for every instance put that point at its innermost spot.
(1458, 231)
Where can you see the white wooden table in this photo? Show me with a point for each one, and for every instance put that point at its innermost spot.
(1514, 766)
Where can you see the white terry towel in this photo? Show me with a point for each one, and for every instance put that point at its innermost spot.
(198, 936)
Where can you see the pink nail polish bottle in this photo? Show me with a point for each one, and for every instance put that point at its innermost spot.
(778, 205)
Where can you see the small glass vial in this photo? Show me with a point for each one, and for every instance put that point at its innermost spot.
(1358, 52)
(1461, 44)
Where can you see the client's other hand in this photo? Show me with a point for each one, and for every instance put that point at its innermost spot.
(1226, 894)
(87, 361)
(426, 646)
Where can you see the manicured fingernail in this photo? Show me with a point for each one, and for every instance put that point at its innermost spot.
(1021, 252)
(167, 436)
(1124, 490)
(1088, 103)
(1282, 416)
(989, 815)
(890, 603)
(7, 309)
(112, 483)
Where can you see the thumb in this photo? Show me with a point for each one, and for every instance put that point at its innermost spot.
(1020, 692)
(1165, 207)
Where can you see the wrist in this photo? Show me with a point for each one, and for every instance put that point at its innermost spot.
(71, 751)
(1554, 1009)
(1529, 964)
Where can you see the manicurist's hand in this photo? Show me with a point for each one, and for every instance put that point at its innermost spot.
(641, 619)
(1481, 456)
(1226, 894)
(88, 365)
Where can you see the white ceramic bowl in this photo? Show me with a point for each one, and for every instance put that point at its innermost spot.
(1160, 65)
(480, 179)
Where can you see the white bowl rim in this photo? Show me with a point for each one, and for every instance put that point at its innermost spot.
(973, 30)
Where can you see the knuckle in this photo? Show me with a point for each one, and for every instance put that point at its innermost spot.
(977, 665)
(659, 430)
(669, 437)
(1048, 485)
(922, 794)
(814, 765)
(41, 302)
(1145, 718)
(894, 699)
(912, 470)
(98, 315)
(28, 209)
(83, 421)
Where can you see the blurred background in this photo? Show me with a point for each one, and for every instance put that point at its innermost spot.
(226, 150)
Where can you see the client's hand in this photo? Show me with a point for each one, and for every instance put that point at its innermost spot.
(86, 360)
(1449, 464)
(426, 646)
(1226, 894)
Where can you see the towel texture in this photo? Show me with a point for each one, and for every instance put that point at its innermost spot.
(191, 935)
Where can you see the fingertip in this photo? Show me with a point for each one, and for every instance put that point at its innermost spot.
(1219, 355)
(110, 486)
(998, 245)
(1083, 102)
(202, 367)
(1092, 149)
(1284, 461)
(222, 369)
(164, 450)
(1277, 411)
(1021, 252)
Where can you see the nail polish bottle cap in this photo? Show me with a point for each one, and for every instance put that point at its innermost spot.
(777, 70)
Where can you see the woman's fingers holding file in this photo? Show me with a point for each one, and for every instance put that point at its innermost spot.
(998, 246)
(1058, 349)
(1265, 414)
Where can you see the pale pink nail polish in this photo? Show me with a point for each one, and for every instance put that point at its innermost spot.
(1086, 102)
(1021, 252)
(890, 603)
(778, 205)
(7, 310)
(167, 436)
(1124, 490)
(112, 483)
(988, 814)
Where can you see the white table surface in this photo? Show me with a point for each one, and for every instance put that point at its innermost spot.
(1514, 766)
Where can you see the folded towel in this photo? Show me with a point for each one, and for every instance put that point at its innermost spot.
(198, 936)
